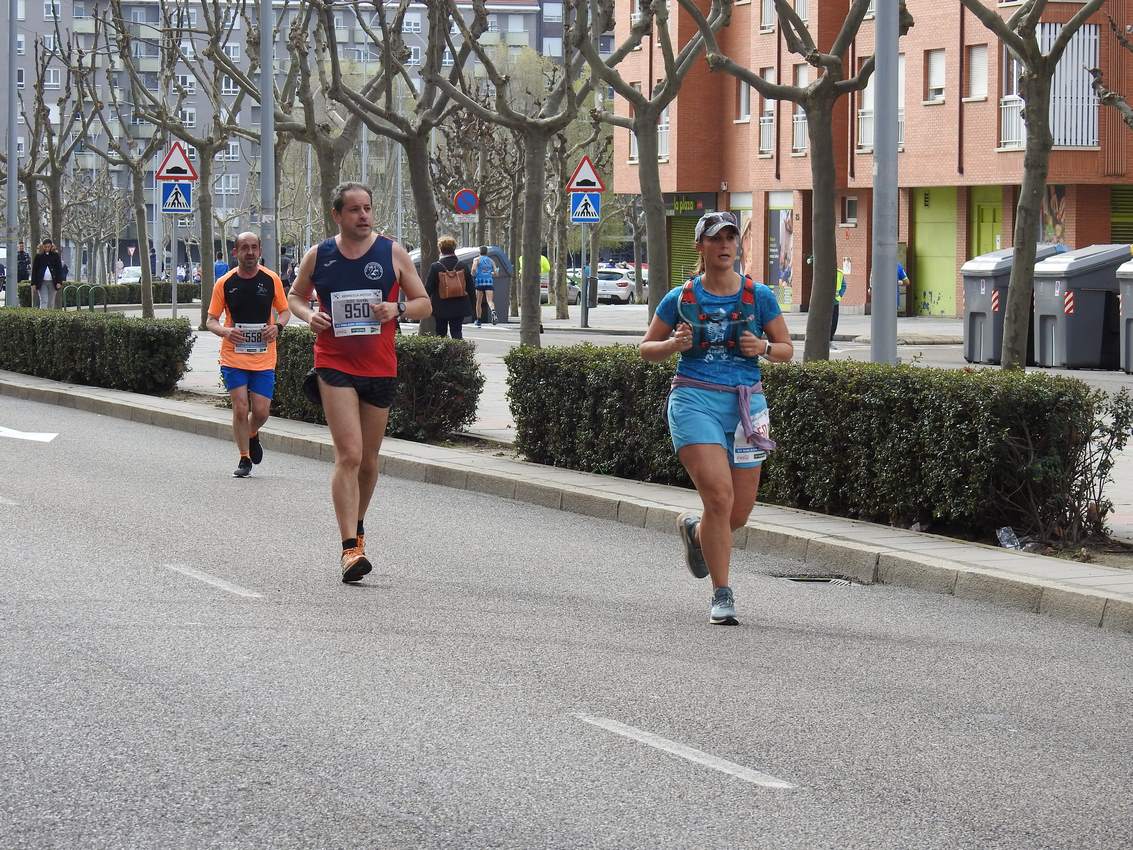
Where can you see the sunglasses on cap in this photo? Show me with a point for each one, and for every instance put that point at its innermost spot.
(712, 223)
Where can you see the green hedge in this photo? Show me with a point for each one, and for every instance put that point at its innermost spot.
(438, 388)
(96, 349)
(124, 293)
(970, 451)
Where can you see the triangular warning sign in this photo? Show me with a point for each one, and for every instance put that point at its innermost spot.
(176, 165)
(176, 201)
(585, 178)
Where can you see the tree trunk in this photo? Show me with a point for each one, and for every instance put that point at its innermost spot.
(635, 231)
(55, 194)
(562, 288)
(34, 215)
(821, 309)
(425, 205)
(653, 201)
(138, 196)
(330, 174)
(514, 244)
(1036, 163)
(535, 153)
(208, 249)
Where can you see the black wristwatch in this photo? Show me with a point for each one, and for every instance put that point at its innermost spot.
(400, 309)
(279, 326)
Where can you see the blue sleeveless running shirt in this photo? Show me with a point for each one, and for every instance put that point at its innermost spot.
(366, 355)
(485, 275)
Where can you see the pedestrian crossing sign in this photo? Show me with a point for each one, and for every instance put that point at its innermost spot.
(585, 207)
(176, 197)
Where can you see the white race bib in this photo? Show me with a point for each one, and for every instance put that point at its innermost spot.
(350, 312)
(744, 453)
(254, 342)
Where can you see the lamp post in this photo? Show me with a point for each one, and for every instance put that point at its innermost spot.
(11, 289)
(268, 238)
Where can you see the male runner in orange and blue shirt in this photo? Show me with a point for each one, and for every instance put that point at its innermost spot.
(248, 296)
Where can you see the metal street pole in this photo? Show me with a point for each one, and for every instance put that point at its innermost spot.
(883, 276)
(11, 289)
(268, 237)
(584, 321)
(173, 280)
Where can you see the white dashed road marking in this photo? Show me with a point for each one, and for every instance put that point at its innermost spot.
(214, 581)
(26, 435)
(686, 752)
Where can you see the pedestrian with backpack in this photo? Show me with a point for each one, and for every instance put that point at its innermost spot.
(451, 290)
(720, 323)
(484, 274)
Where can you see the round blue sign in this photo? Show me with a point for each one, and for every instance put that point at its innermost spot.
(465, 201)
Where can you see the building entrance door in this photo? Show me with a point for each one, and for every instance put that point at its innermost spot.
(987, 209)
(934, 234)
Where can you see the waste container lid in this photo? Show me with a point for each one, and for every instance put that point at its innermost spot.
(1125, 271)
(1077, 262)
(997, 262)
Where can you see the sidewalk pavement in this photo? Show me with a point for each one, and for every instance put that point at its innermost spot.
(827, 545)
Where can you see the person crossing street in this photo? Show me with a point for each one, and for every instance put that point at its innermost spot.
(247, 297)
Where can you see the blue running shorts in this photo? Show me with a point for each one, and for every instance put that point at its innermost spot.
(260, 382)
(711, 417)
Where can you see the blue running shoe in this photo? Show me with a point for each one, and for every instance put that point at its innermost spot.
(694, 557)
(723, 611)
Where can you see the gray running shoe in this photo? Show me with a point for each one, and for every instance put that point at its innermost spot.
(694, 557)
(244, 469)
(723, 611)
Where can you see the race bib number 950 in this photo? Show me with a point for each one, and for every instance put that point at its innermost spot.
(351, 312)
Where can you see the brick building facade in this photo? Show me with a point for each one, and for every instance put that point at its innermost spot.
(960, 159)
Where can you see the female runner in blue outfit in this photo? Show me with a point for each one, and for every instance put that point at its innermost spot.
(717, 413)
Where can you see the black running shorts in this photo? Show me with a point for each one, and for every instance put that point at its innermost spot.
(378, 392)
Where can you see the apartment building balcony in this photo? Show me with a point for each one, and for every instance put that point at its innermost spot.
(1012, 130)
(87, 160)
(518, 39)
(866, 130)
(489, 39)
(83, 25)
(767, 134)
(798, 133)
(148, 64)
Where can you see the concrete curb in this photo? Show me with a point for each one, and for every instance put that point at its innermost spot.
(865, 552)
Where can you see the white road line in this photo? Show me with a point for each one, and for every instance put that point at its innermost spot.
(35, 437)
(694, 755)
(214, 581)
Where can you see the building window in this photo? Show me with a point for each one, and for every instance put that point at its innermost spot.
(49, 42)
(19, 78)
(934, 76)
(800, 9)
(663, 134)
(228, 184)
(1012, 132)
(767, 117)
(849, 209)
(515, 23)
(552, 13)
(865, 116)
(187, 49)
(51, 78)
(137, 16)
(410, 23)
(230, 153)
(605, 44)
(187, 82)
(799, 129)
(20, 146)
(977, 71)
(632, 135)
(20, 44)
(51, 10)
(552, 47)
(228, 85)
(188, 116)
(743, 101)
(232, 51)
(446, 58)
(150, 81)
(414, 55)
(493, 23)
(191, 152)
(767, 15)
(230, 21)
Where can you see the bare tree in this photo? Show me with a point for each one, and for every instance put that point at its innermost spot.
(96, 210)
(126, 145)
(1019, 34)
(817, 100)
(647, 106)
(1106, 95)
(536, 118)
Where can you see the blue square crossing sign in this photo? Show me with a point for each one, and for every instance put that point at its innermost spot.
(585, 207)
(176, 197)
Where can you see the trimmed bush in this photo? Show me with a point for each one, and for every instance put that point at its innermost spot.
(969, 450)
(124, 293)
(438, 390)
(96, 349)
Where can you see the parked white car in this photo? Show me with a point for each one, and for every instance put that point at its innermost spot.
(130, 274)
(615, 286)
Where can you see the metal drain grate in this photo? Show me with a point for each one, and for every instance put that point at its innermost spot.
(835, 581)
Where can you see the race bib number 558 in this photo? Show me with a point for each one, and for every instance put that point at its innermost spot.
(351, 312)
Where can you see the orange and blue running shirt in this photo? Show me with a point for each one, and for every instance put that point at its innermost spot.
(251, 301)
(340, 281)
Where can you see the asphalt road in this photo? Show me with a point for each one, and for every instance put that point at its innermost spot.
(180, 667)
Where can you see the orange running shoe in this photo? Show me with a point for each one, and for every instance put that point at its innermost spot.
(354, 564)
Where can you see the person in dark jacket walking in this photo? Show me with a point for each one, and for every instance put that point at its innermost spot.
(449, 312)
(47, 273)
(23, 264)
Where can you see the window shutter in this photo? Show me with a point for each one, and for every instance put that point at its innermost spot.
(977, 70)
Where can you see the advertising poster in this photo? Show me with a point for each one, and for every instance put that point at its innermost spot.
(780, 245)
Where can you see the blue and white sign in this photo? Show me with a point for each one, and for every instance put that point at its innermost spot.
(176, 197)
(585, 207)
